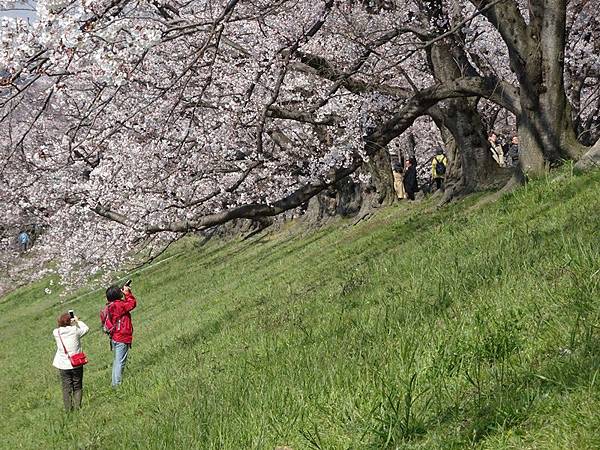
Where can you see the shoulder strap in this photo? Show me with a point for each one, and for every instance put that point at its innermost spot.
(109, 311)
(61, 341)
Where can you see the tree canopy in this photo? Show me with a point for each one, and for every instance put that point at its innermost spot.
(130, 123)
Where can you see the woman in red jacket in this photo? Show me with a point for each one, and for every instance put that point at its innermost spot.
(120, 303)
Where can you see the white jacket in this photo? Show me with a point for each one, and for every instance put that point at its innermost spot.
(498, 154)
(71, 336)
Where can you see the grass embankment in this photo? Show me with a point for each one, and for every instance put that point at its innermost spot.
(417, 329)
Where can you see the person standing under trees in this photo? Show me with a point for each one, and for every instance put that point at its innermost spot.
(24, 241)
(116, 319)
(439, 166)
(398, 181)
(496, 148)
(513, 151)
(68, 342)
(411, 185)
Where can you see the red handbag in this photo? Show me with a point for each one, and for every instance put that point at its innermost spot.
(78, 359)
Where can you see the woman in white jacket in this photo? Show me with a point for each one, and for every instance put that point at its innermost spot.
(68, 336)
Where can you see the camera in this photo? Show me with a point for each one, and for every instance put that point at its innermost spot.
(72, 313)
(127, 283)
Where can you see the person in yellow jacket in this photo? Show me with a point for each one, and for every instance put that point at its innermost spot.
(439, 167)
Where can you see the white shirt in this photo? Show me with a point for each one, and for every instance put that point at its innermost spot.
(71, 336)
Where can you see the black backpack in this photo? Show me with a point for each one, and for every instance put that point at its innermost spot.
(440, 167)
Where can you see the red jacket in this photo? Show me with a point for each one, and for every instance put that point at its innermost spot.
(120, 317)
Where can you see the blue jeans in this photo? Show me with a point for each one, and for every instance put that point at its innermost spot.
(121, 351)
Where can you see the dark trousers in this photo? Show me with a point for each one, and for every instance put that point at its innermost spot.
(438, 183)
(72, 386)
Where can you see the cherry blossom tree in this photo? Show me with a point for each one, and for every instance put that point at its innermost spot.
(127, 124)
(582, 61)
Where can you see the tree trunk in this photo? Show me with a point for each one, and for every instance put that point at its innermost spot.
(471, 167)
(591, 160)
(379, 167)
(536, 52)
(344, 198)
(348, 198)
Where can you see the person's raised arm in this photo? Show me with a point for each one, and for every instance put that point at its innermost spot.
(82, 328)
(129, 302)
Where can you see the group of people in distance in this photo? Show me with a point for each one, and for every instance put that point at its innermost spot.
(406, 183)
(504, 153)
(120, 301)
(405, 179)
(405, 175)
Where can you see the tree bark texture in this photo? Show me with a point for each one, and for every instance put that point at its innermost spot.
(591, 160)
(344, 198)
(347, 197)
(379, 167)
(471, 167)
(536, 52)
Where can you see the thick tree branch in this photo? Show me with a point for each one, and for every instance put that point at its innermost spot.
(112, 215)
(505, 16)
(277, 112)
(319, 66)
(322, 67)
(489, 88)
(417, 106)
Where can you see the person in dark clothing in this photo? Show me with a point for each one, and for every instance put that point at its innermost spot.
(410, 178)
(513, 152)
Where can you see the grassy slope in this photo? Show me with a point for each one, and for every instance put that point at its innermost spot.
(443, 329)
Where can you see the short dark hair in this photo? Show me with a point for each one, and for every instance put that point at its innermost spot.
(114, 293)
(64, 320)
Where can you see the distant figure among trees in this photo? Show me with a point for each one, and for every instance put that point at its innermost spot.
(24, 241)
(439, 167)
(411, 185)
(513, 151)
(496, 148)
(398, 172)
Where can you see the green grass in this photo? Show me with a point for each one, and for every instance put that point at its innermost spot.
(421, 328)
